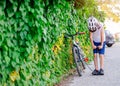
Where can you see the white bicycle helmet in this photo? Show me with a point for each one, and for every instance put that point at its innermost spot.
(92, 24)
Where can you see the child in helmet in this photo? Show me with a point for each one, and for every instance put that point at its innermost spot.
(97, 39)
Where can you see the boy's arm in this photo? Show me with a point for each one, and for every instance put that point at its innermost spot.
(102, 36)
(91, 40)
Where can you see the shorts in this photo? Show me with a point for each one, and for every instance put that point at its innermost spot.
(97, 50)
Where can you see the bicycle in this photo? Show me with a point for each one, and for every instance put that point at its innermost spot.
(77, 53)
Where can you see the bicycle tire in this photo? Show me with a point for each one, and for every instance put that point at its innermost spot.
(79, 62)
(81, 54)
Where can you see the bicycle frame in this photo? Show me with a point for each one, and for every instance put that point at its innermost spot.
(80, 52)
(76, 44)
(77, 54)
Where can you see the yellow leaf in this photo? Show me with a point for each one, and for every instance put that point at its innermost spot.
(14, 75)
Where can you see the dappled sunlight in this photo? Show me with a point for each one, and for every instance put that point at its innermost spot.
(112, 11)
(112, 26)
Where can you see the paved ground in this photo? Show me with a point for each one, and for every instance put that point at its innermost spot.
(112, 71)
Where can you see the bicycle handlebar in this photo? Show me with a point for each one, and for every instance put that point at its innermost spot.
(77, 33)
(80, 33)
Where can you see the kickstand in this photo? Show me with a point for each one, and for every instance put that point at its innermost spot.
(88, 66)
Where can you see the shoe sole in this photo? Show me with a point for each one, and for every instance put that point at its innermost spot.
(98, 74)
(101, 74)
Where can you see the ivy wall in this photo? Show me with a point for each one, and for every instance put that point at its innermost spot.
(33, 51)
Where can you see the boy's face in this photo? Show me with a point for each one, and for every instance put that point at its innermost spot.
(92, 29)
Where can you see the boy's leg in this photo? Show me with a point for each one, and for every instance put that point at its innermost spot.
(101, 64)
(95, 72)
(101, 61)
(101, 55)
(96, 61)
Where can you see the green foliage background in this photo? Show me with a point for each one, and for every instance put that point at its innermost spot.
(33, 51)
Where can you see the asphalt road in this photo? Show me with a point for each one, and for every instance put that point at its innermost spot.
(111, 69)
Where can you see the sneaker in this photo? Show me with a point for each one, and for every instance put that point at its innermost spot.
(95, 72)
(101, 72)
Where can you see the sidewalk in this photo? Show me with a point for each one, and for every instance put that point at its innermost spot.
(111, 68)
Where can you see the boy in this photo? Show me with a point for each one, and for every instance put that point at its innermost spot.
(97, 39)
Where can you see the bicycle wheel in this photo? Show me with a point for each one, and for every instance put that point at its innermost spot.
(81, 55)
(78, 61)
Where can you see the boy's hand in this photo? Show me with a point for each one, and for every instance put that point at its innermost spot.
(100, 47)
(94, 47)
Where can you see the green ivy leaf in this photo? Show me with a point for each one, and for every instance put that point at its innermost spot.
(1, 38)
(13, 64)
(43, 19)
(7, 59)
(22, 35)
(45, 39)
(15, 55)
(18, 14)
(9, 43)
(28, 50)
